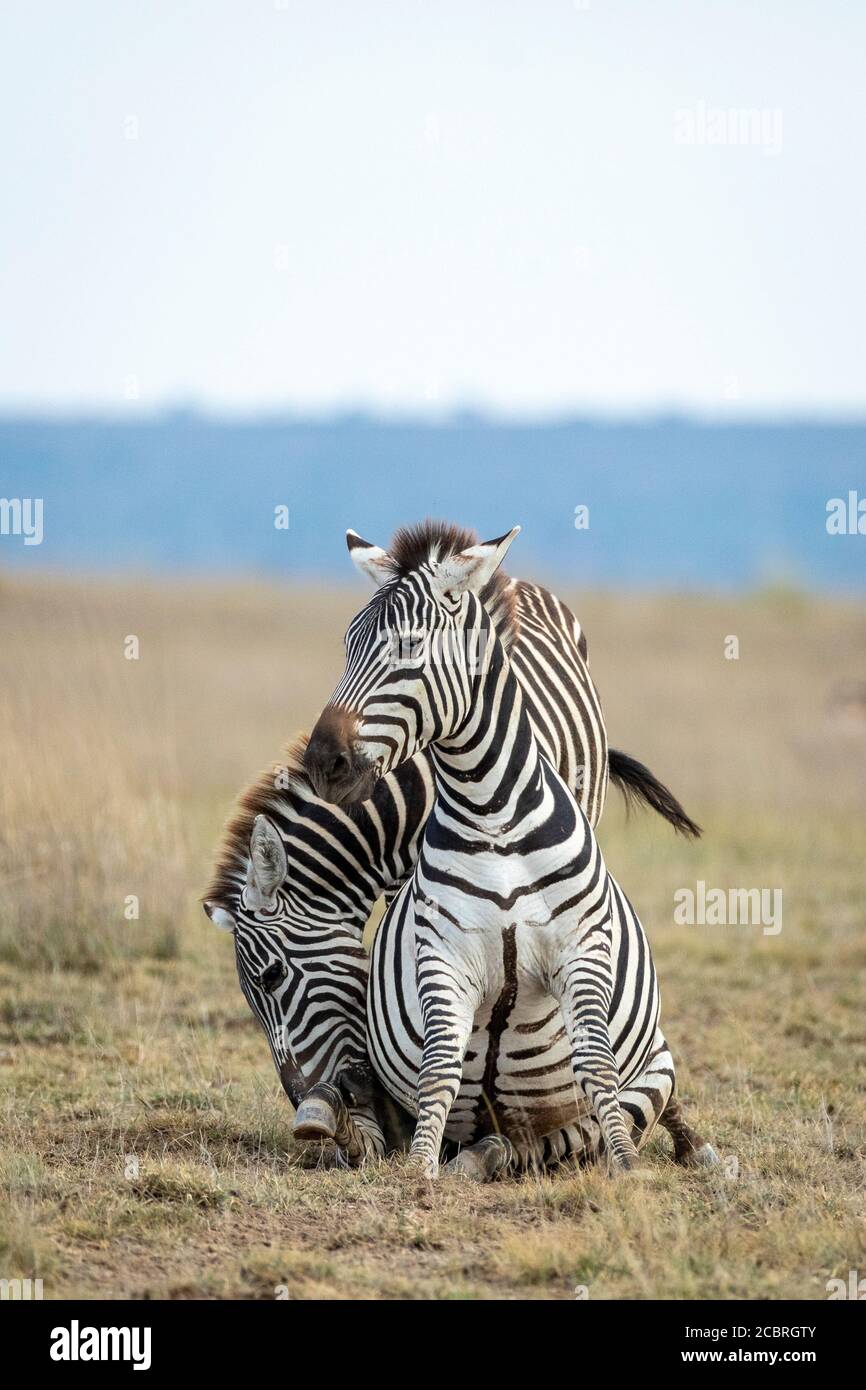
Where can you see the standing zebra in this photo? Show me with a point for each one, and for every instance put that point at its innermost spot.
(510, 923)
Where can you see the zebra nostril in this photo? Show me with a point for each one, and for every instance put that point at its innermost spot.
(339, 765)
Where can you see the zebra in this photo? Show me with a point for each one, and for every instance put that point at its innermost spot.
(296, 879)
(510, 925)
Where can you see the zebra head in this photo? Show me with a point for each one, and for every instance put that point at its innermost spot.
(413, 656)
(297, 937)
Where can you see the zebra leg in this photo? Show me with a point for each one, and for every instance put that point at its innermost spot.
(584, 1004)
(651, 1099)
(324, 1114)
(448, 1021)
(645, 1098)
(596, 1074)
(690, 1149)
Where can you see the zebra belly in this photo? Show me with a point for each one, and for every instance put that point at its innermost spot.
(518, 1078)
(517, 1072)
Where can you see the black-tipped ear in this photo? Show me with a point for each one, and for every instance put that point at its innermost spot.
(370, 560)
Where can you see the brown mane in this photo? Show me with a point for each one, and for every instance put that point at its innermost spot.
(259, 798)
(414, 546)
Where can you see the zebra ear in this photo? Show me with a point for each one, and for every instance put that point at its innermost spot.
(472, 568)
(220, 918)
(268, 865)
(371, 560)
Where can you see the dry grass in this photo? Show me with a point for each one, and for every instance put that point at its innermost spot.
(145, 1143)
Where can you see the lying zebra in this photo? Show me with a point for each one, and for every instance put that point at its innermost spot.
(296, 880)
(510, 923)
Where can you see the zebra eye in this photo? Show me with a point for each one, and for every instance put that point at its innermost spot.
(273, 976)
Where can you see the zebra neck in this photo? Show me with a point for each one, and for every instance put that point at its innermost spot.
(392, 821)
(492, 769)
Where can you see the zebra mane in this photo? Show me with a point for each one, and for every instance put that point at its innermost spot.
(430, 541)
(270, 792)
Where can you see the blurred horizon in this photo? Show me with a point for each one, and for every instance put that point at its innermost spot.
(661, 503)
(457, 414)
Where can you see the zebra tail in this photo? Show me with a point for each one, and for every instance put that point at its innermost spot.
(638, 784)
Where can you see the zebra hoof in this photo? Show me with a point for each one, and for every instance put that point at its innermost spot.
(622, 1165)
(484, 1161)
(315, 1118)
(640, 1175)
(620, 1162)
(703, 1157)
(426, 1170)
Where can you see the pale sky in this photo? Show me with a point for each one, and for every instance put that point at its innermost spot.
(402, 205)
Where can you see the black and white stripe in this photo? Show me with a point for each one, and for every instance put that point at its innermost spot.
(512, 987)
(297, 878)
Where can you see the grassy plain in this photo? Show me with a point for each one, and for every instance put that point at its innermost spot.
(144, 1141)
